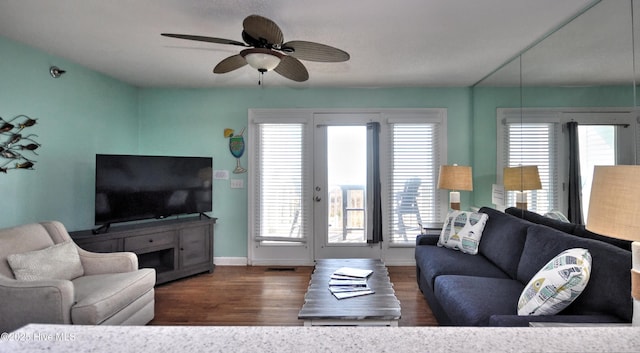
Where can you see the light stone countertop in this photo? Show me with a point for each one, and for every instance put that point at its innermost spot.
(298, 339)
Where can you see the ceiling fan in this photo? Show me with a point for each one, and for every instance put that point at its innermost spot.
(267, 50)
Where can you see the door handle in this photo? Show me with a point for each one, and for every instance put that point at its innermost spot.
(318, 198)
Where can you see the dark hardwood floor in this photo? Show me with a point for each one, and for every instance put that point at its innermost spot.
(264, 296)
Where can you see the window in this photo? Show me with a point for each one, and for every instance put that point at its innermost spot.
(279, 179)
(534, 144)
(415, 158)
(535, 136)
(597, 147)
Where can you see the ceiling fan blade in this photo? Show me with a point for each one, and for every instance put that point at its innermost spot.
(204, 39)
(314, 51)
(292, 69)
(262, 28)
(229, 64)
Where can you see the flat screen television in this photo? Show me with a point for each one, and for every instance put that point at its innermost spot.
(135, 187)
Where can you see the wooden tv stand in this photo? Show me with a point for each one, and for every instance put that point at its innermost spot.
(175, 248)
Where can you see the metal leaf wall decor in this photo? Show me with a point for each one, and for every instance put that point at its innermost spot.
(13, 143)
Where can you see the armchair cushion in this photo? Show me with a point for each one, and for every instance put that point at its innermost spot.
(99, 297)
(59, 261)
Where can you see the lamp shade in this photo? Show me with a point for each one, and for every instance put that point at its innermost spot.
(614, 206)
(261, 59)
(522, 178)
(455, 177)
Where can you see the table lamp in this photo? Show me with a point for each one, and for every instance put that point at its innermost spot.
(454, 178)
(521, 179)
(614, 209)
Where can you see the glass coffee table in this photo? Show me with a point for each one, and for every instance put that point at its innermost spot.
(322, 308)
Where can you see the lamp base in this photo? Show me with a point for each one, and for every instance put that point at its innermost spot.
(454, 200)
(521, 200)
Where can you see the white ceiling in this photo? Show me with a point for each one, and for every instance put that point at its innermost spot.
(432, 43)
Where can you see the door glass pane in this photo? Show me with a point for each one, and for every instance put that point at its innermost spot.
(597, 147)
(347, 177)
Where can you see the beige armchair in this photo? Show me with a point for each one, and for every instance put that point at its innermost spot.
(46, 278)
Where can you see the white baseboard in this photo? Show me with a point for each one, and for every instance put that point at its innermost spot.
(230, 261)
(243, 261)
(400, 262)
(282, 263)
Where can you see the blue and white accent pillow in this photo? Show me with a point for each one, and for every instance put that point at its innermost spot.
(557, 284)
(462, 231)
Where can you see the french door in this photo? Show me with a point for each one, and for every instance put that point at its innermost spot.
(310, 177)
(343, 196)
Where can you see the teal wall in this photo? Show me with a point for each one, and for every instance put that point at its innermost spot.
(486, 100)
(191, 122)
(80, 114)
(84, 113)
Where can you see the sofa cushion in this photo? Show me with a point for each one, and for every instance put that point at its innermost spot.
(471, 300)
(462, 231)
(540, 219)
(434, 261)
(98, 297)
(557, 284)
(610, 280)
(59, 261)
(503, 239)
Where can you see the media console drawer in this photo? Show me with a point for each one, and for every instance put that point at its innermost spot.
(175, 248)
(151, 240)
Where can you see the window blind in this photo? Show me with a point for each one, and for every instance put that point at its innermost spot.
(414, 156)
(279, 209)
(534, 144)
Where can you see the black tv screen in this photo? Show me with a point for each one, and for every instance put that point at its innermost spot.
(130, 187)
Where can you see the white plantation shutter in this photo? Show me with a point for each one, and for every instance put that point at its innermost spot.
(280, 215)
(414, 156)
(534, 144)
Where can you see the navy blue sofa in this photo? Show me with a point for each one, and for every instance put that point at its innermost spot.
(483, 289)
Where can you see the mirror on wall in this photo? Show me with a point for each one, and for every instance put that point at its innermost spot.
(583, 71)
(587, 62)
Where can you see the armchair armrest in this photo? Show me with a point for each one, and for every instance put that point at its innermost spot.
(43, 301)
(101, 263)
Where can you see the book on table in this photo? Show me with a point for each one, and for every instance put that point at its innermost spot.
(353, 272)
(348, 282)
(343, 295)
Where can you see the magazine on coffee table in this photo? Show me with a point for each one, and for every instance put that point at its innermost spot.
(343, 295)
(353, 282)
(353, 272)
(348, 282)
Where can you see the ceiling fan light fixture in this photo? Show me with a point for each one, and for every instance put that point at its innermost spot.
(261, 59)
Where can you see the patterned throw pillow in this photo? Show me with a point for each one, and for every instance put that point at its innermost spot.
(557, 284)
(462, 231)
(557, 215)
(60, 261)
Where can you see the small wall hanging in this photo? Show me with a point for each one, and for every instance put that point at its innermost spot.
(236, 147)
(10, 149)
